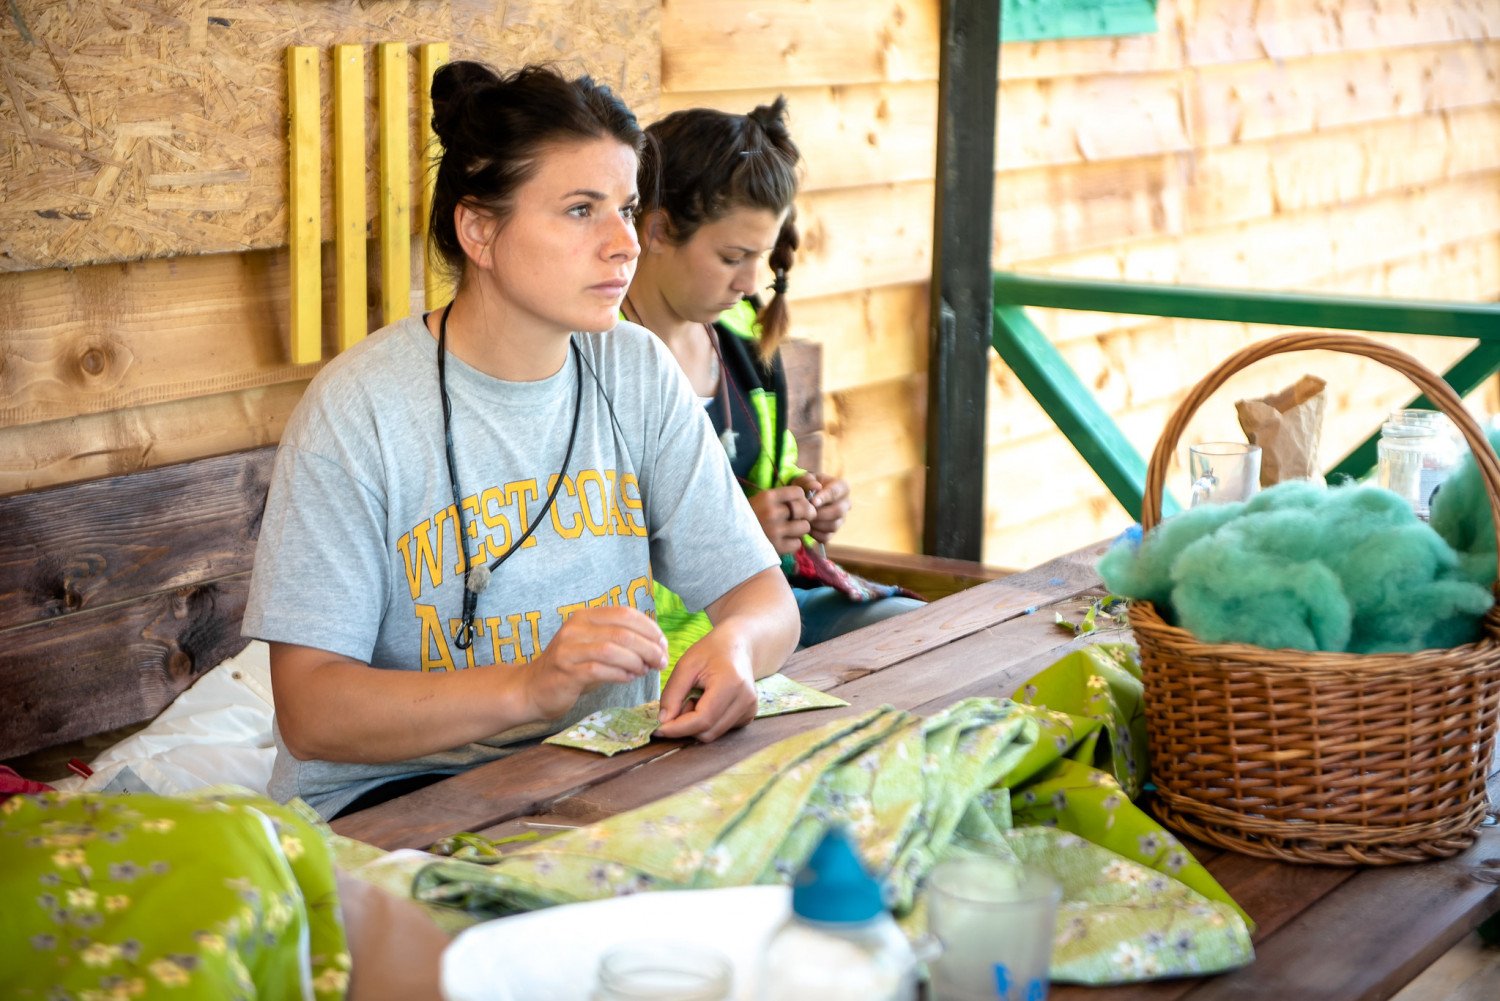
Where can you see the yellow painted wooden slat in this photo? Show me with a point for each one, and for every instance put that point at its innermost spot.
(395, 183)
(436, 288)
(305, 211)
(349, 192)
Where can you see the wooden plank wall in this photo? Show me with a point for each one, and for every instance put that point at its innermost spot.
(143, 188)
(1349, 146)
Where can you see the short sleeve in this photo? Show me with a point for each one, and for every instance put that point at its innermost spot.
(321, 576)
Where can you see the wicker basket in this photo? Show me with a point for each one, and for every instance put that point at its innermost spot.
(1331, 758)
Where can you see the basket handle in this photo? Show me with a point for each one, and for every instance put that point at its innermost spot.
(1436, 389)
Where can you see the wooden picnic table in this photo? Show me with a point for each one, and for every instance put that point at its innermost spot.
(1323, 932)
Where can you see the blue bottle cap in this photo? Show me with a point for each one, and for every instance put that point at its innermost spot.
(833, 886)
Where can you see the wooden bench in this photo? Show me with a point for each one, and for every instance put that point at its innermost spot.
(117, 593)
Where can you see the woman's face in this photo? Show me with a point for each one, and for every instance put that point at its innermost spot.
(563, 257)
(718, 265)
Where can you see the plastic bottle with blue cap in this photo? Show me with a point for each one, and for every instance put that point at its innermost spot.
(840, 943)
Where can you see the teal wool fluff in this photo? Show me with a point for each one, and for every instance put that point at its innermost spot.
(1461, 515)
(1303, 567)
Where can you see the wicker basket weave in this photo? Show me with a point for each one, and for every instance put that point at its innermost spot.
(1333, 758)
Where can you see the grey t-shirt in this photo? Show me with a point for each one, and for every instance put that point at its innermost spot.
(358, 548)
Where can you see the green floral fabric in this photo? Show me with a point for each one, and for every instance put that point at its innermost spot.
(911, 791)
(212, 897)
(610, 731)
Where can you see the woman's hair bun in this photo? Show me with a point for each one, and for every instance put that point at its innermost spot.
(771, 117)
(454, 86)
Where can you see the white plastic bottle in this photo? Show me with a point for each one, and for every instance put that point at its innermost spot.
(840, 944)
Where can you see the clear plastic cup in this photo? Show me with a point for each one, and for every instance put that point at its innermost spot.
(1224, 471)
(990, 923)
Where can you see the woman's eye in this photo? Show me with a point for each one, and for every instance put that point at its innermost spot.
(629, 212)
(581, 211)
(732, 262)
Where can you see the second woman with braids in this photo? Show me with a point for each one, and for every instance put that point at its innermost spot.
(716, 219)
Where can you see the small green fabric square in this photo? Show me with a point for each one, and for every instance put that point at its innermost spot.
(610, 731)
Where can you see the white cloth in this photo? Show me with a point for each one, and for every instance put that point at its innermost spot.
(553, 954)
(216, 732)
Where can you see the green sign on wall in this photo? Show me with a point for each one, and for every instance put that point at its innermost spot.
(1035, 20)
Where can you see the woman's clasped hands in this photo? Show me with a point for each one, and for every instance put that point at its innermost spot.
(809, 505)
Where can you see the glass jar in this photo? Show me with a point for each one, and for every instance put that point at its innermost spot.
(664, 971)
(1418, 450)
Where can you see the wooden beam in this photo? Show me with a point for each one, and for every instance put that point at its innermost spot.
(349, 193)
(958, 366)
(395, 183)
(436, 288)
(304, 210)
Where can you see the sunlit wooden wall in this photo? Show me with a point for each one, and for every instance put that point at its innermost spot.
(143, 188)
(1349, 146)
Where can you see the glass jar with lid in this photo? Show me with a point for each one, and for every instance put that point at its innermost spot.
(663, 971)
(1418, 450)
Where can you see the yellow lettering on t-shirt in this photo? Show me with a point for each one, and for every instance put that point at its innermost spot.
(618, 524)
(434, 645)
(471, 529)
(639, 586)
(514, 639)
(567, 611)
(426, 557)
(492, 511)
(632, 503)
(518, 492)
(448, 514)
(576, 529)
(595, 508)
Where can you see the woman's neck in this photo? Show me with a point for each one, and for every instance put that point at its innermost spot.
(647, 305)
(688, 340)
(497, 341)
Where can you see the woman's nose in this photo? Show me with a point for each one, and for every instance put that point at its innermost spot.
(745, 277)
(622, 242)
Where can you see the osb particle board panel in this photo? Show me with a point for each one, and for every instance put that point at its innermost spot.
(152, 128)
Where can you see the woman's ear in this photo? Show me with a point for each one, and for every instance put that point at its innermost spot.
(476, 231)
(654, 231)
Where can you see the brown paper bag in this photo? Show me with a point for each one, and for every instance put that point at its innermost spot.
(1287, 426)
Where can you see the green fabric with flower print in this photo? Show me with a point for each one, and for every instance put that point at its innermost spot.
(912, 791)
(214, 896)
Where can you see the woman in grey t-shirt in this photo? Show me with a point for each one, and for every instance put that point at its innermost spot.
(469, 507)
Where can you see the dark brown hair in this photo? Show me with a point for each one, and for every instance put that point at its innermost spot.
(493, 129)
(700, 164)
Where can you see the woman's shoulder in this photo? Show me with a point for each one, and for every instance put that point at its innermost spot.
(626, 345)
(368, 377)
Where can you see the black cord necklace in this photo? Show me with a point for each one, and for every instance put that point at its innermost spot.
(476, 579)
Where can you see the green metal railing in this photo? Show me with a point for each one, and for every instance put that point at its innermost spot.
(1076, 412)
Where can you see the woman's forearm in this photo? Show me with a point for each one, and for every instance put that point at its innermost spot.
(333, 708)
(762, 615)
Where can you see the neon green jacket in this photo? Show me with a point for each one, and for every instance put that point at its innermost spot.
(765, 390)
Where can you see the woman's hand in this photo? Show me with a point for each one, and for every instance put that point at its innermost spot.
(596, 646)
(720, 665)
(830, 500)
(785, 516)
